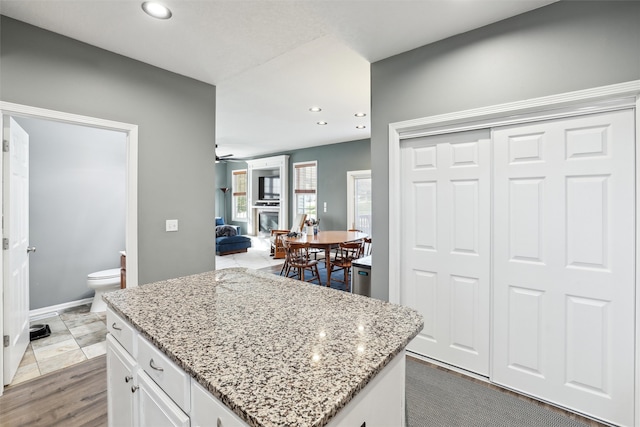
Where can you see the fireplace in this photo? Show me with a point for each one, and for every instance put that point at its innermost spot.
(267, 221)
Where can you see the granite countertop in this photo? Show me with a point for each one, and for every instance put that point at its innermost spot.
(276, 351)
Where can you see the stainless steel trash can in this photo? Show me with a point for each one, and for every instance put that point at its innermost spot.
(361, 276)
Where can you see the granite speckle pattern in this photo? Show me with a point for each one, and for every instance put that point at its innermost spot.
(277, 351)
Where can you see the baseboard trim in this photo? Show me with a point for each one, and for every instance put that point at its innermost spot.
(44, 312)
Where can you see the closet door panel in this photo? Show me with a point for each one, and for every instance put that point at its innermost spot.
(564, 251)
(445, 250)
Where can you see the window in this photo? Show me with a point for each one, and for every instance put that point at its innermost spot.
(239, 193)
(305, 186)
(359, 200)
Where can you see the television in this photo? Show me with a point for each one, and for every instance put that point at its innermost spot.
(269, 187)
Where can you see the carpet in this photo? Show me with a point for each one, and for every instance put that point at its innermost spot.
(441, 399)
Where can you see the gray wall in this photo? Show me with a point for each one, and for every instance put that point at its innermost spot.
(176, 119)
(333, 163)
(562, 47)
(77, 199)
(221, 181)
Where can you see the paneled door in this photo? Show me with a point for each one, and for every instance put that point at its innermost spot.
(564, 253)
(16, 252)
(445, 248)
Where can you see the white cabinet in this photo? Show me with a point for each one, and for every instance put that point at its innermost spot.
(155, 407)
(380, 403)
(147, 389)
(173, 380)
(134, 398)
(207, 411)
(276, 165)
(121, 395)
(122, 331)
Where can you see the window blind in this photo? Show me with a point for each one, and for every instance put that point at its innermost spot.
(305, 178)
(240, 183)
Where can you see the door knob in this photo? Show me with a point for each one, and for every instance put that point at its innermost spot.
(31, 249)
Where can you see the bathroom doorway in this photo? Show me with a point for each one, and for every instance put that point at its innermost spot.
(128, 133)
(77, 194)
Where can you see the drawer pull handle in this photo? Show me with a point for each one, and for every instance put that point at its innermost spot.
(219, 422)
(115, 327)
(153, 366)
(128, 378)
(134, 388)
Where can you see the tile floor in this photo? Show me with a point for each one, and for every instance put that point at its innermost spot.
(76, 335)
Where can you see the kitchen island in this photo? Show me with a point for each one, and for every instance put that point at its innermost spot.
(274, 351)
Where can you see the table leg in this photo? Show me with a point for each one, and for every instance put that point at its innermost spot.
(327, 263)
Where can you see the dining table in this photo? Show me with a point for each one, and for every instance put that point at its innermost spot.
(327, 240)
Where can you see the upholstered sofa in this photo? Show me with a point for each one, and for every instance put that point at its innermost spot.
(229, 240)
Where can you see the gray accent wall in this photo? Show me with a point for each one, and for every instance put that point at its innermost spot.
(334, 161)
(221, 181)
(176, 119)
(77, 205)
(563, 47)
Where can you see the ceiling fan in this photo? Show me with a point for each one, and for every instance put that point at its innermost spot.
(226, 158)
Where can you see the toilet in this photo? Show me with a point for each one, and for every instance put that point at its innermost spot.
(102, 282)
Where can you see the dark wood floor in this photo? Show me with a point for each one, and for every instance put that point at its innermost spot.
(75, 396)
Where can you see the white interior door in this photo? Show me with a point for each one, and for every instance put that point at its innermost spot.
(16, 260)
(445, 267)
(564, 262)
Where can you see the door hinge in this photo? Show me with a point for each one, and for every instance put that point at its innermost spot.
(5, 146)
(5, 243)
(6, 340)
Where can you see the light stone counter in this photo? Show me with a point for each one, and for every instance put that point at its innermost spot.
(276, 351)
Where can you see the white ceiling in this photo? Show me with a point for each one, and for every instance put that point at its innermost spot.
(271, 60)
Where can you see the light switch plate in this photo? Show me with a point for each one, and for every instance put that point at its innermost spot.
(172, 225)
(325, 207)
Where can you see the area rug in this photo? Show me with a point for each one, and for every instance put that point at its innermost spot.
(322, 270)
(442, 399)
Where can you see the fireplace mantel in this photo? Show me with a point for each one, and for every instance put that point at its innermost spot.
(276, 165)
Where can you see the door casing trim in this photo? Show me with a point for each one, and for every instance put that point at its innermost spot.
(131, 221)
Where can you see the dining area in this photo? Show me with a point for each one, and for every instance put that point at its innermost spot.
(323, 257)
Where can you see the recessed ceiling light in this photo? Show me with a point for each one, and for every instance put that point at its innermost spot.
(360, 114)
(360, 127)
(322, 123)
(315, 109)
(156, 10)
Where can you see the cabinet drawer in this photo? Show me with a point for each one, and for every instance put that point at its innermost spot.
(169, 376)
(121, 331)
(156, 409)
(206, 410)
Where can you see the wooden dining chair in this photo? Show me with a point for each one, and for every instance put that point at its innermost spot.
(297, 259)
(336, 250)
(277, 249)
(347, 252)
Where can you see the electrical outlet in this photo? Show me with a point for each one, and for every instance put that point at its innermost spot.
(172, 225)
(325, 207)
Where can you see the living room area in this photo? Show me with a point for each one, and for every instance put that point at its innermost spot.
(336, 193)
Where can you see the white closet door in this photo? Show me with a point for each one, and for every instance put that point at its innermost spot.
(564, 262)
(445, 246)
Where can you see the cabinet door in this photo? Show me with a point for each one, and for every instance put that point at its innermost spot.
(207, 411)
(380, 403)
(120, 397)
(155, 407)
